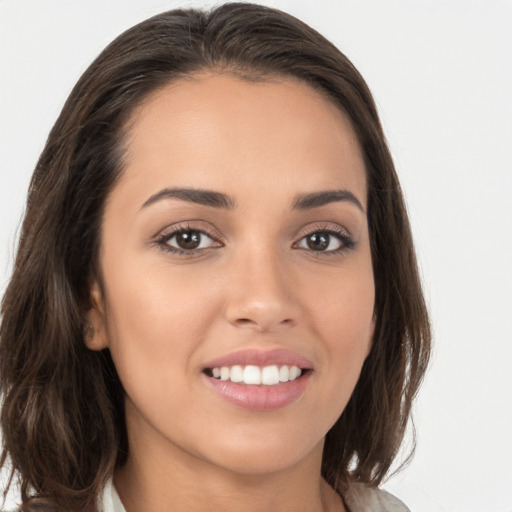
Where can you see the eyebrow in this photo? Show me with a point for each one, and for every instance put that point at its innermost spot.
(193, 195)
(224, 201)
(317, 199)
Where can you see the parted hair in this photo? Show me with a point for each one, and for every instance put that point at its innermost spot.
(62, 417)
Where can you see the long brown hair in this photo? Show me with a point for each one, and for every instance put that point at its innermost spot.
(62, 417)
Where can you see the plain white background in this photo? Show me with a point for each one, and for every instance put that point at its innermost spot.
(441, 72)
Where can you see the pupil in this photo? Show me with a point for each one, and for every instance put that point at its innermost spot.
(188, 239)
(318, 241)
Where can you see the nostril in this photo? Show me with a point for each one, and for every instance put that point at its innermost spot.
(244, 321)
(263, 326)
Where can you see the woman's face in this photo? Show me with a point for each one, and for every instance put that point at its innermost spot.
(235, 249)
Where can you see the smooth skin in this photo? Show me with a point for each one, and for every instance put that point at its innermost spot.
(184, 283)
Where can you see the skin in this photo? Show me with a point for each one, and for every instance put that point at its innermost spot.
(255, 283)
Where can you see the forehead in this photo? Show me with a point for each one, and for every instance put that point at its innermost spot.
(214, 130)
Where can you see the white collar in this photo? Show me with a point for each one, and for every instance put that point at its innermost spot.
(109, 500)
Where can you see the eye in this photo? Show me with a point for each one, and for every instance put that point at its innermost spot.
(326, 240)
(186, 240)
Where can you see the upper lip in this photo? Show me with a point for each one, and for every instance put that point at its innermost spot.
(258, 357)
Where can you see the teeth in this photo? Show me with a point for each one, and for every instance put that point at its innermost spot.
(254, 375)
(294, 373)
(270, 375)
(236, 374)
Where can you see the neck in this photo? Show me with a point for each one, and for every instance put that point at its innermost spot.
(154, 482)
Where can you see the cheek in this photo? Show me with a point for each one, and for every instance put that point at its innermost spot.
(153, 325)
(344, 308)
(343, 322)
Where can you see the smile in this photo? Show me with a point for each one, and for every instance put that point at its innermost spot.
(254, 375)
(259, 380)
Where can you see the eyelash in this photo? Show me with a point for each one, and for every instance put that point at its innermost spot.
(163, 241)
(346, 241)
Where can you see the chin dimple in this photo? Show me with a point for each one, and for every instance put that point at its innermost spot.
(255, 375)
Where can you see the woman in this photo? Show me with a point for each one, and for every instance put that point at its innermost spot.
(215, 303)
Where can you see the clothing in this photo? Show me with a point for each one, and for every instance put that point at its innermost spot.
(109, 500)
(358, 498)
(361, 498)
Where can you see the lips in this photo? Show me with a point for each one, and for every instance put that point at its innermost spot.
(259, 380)
(261, 358)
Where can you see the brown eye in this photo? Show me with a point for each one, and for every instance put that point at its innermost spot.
(318, 241)
(328, 241)
(188, 240)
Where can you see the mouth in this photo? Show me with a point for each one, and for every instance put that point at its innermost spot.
(259, 380)
(271, 375)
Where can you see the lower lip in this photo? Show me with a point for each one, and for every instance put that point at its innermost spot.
(260, 398)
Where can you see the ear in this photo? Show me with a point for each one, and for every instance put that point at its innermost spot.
(95, 337)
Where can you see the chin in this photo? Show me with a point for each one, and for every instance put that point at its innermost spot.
(265, 457)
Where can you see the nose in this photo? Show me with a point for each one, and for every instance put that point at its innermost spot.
(260, 294)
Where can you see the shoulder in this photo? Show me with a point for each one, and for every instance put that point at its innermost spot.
(361, 498)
